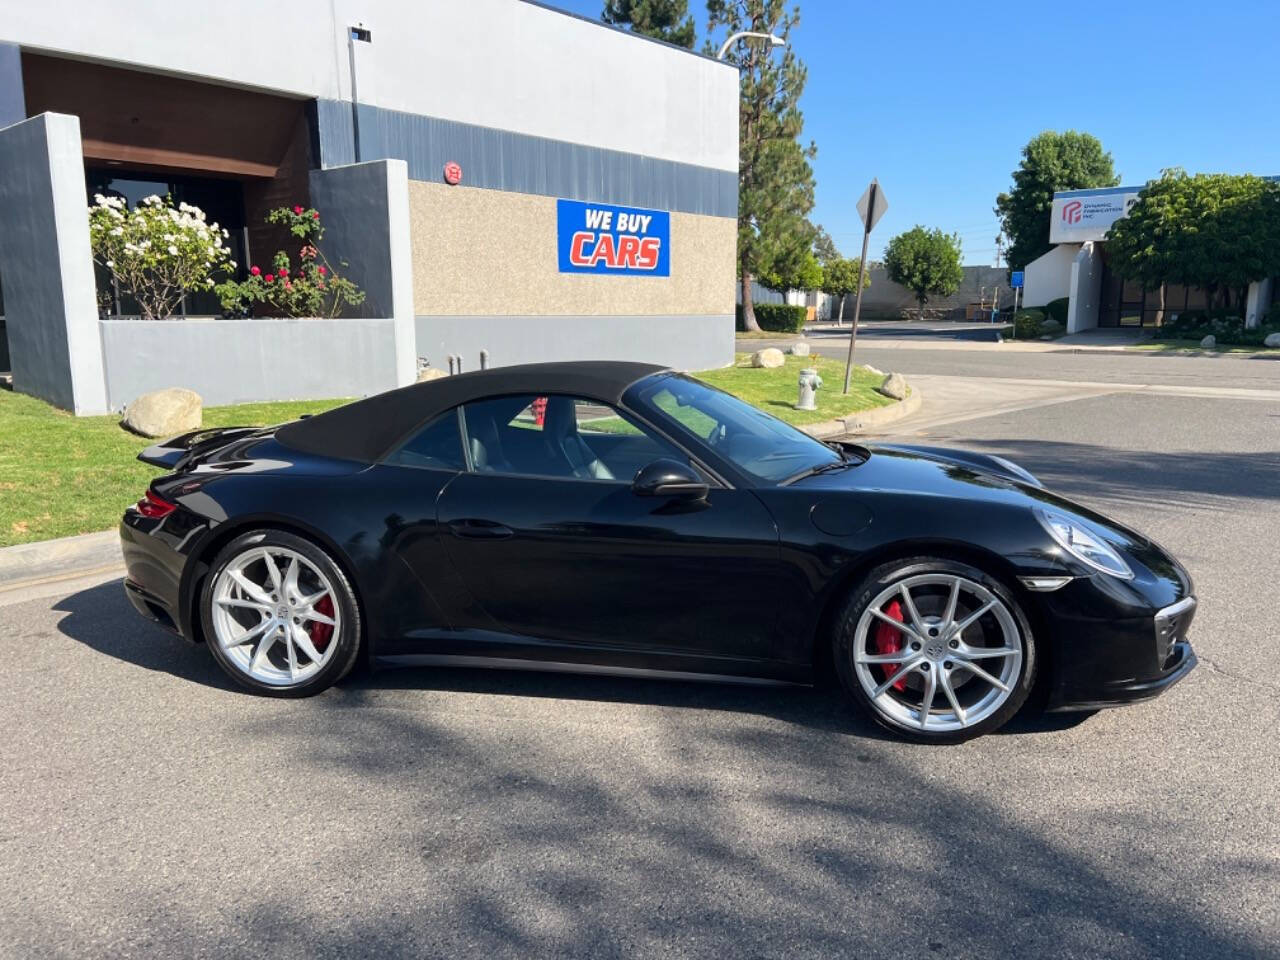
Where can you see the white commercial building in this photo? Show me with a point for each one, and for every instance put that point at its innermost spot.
(502, 176)
(1076, 268)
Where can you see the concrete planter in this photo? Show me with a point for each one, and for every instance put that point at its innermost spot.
(243, 361)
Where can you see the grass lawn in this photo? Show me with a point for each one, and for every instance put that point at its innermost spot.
(766, 335)
(61, 475)
(1167, 346)
(775, 390)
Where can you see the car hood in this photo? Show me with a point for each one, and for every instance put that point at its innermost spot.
(964, 475)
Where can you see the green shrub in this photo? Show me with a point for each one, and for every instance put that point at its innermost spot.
(1226, 328)
(1028, 324)
(777, 317)
(1057, 310)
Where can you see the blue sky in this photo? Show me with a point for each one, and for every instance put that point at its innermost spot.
(938, 98)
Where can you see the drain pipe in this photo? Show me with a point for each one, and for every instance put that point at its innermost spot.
(484, 359)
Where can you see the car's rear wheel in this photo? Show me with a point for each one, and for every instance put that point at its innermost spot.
(934, 650)
(279, 614)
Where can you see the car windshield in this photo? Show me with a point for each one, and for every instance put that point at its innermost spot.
(752, 440)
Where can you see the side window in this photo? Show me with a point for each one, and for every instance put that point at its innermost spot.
(437, 446)
(559, 436)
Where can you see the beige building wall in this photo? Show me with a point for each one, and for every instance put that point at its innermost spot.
(491, 253)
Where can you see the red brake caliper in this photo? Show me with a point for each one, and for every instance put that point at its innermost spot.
(887, 639)
(322, 633)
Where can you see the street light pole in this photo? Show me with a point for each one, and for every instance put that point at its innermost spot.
(773, 39)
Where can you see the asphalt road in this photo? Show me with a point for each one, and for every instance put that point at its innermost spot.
(150, 809)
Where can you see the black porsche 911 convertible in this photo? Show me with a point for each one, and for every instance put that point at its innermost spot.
(623, 518)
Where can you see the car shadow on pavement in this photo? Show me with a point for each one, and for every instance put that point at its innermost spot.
(102, 618)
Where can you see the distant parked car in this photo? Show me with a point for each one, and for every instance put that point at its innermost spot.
(623, 518)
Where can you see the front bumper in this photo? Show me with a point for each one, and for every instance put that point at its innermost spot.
(1127, 661)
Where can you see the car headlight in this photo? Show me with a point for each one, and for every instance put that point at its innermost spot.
(1083, 544)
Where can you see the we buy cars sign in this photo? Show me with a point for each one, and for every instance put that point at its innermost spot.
(603, 238)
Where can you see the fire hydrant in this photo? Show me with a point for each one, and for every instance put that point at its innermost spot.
(810, 382)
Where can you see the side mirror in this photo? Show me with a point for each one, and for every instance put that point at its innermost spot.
(669, 478)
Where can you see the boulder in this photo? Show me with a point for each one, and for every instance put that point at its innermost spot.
(768, 358)
(895, 386)
(430, 373)
(1049, 324)
(164, 413)
(1272, 340)
(1209, 342)
(798, 350)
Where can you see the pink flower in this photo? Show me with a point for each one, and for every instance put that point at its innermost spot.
(270, 278)
(316, 215)
(297, 209)
(322, 271)
(255, 271)
(284, 271)
(288, 285)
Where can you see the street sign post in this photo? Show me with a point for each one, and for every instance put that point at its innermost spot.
(1016, 279)
(871, 207)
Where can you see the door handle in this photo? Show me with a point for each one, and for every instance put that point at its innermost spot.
(473, 529)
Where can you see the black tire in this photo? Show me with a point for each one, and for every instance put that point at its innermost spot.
(346, 641)
(873, 585)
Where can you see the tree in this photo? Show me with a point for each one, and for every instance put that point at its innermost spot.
(775, 181)
(801, 273)
(1050, 162)
(1214, 231)
(824, 248)
(667, 20)
(840, 278)
(926, 262)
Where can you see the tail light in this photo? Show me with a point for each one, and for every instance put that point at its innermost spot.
(154, 506)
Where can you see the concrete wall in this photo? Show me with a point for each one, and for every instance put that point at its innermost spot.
(366, 210)
(885, 299)
(13, 107)
(50, 309)
(683, 342)
(485, 252)
(239, 361)
(1085, 289)
(1258, 302)
(1048, 277)
(503, 64)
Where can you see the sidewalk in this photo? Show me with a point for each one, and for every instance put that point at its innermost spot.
(32, 569)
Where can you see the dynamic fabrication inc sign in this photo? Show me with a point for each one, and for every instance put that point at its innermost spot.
(1080, 216)
(603, 238)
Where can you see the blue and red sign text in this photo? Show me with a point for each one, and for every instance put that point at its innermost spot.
(602, 238)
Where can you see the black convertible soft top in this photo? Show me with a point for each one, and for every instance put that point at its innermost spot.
(367, 429)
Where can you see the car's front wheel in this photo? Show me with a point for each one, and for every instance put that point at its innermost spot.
(935, 650)
(279, 615)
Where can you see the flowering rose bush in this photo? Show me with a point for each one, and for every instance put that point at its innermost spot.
(157, 252)
(311, 287)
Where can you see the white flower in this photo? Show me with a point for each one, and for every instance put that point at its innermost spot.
(173, 250)
(111, 264)
(151, 200)
(231, 264)
(117, 231)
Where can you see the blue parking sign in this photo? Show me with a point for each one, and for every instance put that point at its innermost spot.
(1015, 279)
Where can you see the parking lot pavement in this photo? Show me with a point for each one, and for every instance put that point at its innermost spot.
(150, 809)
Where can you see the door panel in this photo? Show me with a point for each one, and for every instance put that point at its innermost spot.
(590, 562)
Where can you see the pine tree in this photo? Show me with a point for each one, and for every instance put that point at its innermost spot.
(775, 181)
(667, 20)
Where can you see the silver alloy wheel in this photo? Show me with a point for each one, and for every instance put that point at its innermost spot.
(265, 615)
(939, 680)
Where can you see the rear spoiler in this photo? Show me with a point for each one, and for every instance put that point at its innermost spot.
(171, 454)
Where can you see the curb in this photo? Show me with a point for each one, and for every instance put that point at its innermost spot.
(865, 420)
(47, 561)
